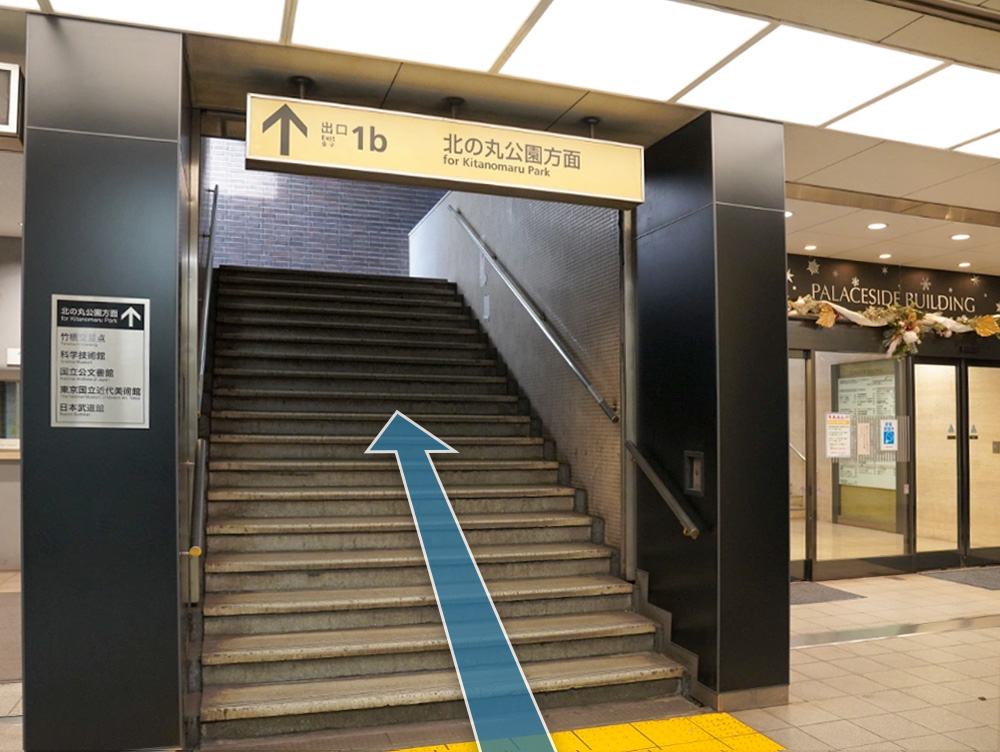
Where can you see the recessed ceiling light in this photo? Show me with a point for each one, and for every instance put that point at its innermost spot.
(810, 248)
(965, 264)
(947, 108)
(247, 19)
(877, 226)
(830, 76)
(985, 147)
(453, 33)
(789, 214)
(961, 236)
(885, 255)
(640, 48)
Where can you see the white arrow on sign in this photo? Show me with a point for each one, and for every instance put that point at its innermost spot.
(131, 315)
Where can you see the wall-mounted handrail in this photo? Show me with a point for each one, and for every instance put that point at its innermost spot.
(797, 452)
(206, 297)
(536, 314)
(689, 519)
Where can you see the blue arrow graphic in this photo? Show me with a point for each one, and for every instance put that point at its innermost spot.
(504, 715)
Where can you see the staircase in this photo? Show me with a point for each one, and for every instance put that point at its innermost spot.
(318, 611)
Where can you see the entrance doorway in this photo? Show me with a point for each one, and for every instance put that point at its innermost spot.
(893, 464)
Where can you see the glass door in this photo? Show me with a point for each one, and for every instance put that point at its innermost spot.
(797, 463)
(984, 464)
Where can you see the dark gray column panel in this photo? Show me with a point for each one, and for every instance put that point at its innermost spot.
(712, 378)
(101, 614)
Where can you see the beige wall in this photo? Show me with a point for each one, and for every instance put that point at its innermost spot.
(984, 464)
(568, 259)
(10, 336)
(936, 459)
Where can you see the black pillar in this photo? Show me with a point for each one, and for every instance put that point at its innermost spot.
(103, 169)
(713, 378)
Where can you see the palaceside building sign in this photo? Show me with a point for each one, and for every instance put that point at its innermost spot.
(858, 285)
(296, 135)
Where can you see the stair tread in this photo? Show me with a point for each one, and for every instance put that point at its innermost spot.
(421, 287)
(274, 373)
(354, 358)
(287, 561)
(412, 638)
(377, 463)
(255, 438)
(216, 493)
(274, 321)
(234, 289)
(354, 341)
(418, 417)
(235, 270)
(308, 601)
(327, 394)
(257, 307)
(295, 698)
(386, 523)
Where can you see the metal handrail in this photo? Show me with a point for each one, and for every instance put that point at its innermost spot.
(797, 452)
(536, 314)
(198, 508)
(689, 519)
(206, 298)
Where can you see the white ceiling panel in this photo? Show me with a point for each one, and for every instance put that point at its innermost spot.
(808, 214)
(801, 76)
(455, 33)
(979, 263)
(894, 169)
(19, 4)
(943, 110)
(826, 244)
(981, 237)
(643, 48)
(810, 149)
(855, 226)
(978, 190)
(247, 19)
(986, 147)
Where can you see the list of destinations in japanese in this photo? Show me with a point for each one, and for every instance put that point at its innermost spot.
(100, 362)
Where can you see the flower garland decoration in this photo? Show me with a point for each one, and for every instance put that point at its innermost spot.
(906, 326)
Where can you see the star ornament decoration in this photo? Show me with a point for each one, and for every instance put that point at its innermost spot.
(789, 276)
(813, 267)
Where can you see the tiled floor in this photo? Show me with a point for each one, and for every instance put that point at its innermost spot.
(938, 689)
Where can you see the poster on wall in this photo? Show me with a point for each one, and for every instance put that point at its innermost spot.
(868, 396)
(838, 436)
(100, 362)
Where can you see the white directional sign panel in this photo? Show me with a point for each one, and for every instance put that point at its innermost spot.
(100, 362)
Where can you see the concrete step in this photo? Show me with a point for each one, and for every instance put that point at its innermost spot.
(312, 610)
(359, 364)
(294, 277)
(246, 711)
(377, 403)
(360, 301)
(387, 501)
(374, 286)
(295, 570)
(273, 324)
(394, 383)
(314, 312)
(308, 656)
(334, 345)
(372, 471)
(365, 424)
(239, 534)
(277, 446)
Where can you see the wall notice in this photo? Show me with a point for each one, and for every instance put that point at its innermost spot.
(100, 362)
(838, 435)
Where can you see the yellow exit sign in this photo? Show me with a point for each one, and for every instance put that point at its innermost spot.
(295, 135)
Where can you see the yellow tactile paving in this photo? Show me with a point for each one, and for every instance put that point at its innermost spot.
(711, 732)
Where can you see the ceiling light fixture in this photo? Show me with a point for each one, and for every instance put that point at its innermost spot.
(830, 76)
(877, 226)
(452, 33)
(984, 147)
(247, 19)
(961, 236)
(965, 264)
(640, 48)
(885, 255)
(949, 107)
(789, 214)
(810, 248)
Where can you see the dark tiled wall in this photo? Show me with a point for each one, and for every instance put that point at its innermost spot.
(296, 222)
